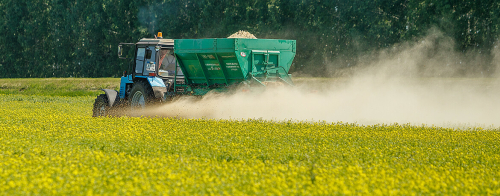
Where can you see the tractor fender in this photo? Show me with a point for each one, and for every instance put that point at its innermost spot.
(112, 96)
(156, 84)
(159, 88)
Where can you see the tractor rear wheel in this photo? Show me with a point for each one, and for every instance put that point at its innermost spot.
(101, 106)
(140, 95)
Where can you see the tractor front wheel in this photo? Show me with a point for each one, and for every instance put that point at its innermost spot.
(101, 106)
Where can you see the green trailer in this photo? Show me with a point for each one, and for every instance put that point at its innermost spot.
(164, 68)
(214, 64)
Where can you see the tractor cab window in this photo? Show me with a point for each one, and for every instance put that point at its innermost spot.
(167, 63)
(139, 61)
(144, 62)
(148, 54)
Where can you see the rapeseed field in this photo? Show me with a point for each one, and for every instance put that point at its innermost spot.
(51, 145)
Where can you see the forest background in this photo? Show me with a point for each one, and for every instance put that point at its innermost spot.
(79, 38)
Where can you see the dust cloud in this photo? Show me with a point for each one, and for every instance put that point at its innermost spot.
(416, 84)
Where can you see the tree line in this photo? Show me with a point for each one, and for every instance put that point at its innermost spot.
(77, 38)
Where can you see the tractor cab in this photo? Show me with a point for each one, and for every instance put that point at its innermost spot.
(155, 57)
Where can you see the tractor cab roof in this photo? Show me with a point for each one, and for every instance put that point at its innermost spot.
(160, 42)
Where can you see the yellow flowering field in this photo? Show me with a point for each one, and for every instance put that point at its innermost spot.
(51, 145)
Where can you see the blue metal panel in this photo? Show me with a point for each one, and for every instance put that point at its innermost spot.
(156, 82)
(123, 85)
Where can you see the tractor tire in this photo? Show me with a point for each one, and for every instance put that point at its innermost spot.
(101, 106)
(140, 96)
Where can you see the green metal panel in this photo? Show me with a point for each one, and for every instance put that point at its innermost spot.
(226, 61)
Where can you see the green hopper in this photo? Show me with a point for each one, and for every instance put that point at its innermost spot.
(212, 64)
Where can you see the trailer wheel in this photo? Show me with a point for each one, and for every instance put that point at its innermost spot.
(140, 95)
(101, 106)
